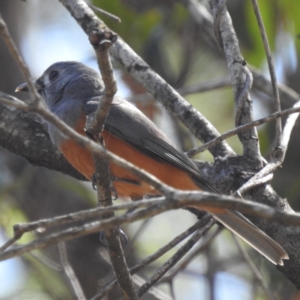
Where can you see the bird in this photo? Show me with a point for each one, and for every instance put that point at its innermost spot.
(72, 91)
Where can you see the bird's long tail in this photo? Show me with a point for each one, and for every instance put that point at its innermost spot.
(251, 234)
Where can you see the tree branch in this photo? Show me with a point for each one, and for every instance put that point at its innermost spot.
(241, 79)
(102, 41)
(278, 155)
(180, 199)
(151, 258)
(207, 222)
(294, 110)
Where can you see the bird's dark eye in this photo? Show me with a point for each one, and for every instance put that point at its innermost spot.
(53, 75)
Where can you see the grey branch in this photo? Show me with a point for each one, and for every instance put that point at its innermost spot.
(278, 155)
(191, 255)
(294, 110)
(180, 199)
(102, 39)
(241, 79)
(148, 260)
(207, 223)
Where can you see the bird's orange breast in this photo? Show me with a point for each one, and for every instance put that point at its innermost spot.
(82, 160)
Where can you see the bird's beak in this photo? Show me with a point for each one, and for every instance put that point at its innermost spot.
(22, 88)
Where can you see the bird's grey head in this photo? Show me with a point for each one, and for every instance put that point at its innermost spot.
(67, 81)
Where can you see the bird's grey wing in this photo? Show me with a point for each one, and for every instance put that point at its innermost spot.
(127, 123)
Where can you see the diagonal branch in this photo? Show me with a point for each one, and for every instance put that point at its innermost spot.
(278, 156)
(151, 258)
(294, 110)
(207, 222)
(196, 251)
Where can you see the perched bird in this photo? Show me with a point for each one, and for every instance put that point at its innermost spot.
(72, 91)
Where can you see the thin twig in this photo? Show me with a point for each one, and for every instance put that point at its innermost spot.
(154, 293)
(286, 134)
(208, 221)
(47, 261)
(205, 86)
(10, 242)
(13, 101)
(276, 98)
(294, 110)
(260, 279)
(73, 280)
(185, 262)
(104, 12)
(262, 83)
(151, 258)
(251, 184)
(278, 156)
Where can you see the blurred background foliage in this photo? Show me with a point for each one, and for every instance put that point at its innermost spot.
(183, 51)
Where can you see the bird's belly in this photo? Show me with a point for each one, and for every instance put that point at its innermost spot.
(126, 184)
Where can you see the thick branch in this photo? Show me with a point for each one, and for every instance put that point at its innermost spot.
(241, 79)
(23, 134)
